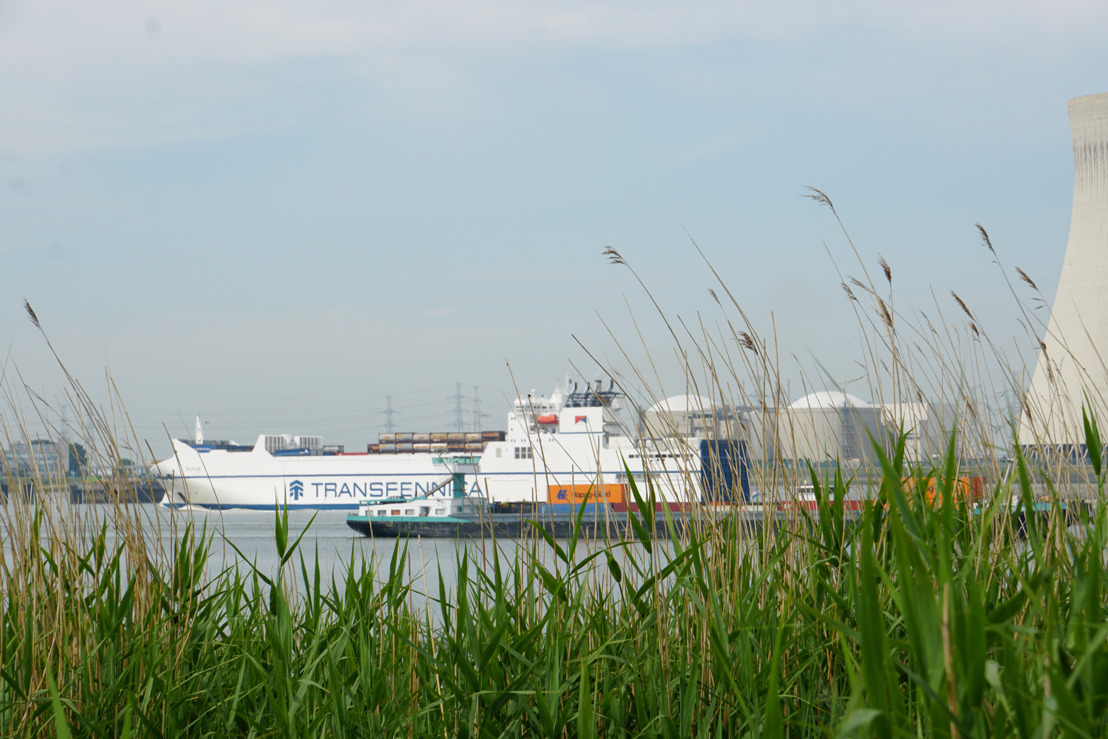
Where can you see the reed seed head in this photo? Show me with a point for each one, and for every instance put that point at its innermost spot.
(985, 238)
(614, 257)
(886, 316)
(885, 268)
(1025, 278)
(31, 313)
(819, 196)
(962, 305)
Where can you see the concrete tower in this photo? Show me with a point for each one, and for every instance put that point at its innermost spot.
(1073, 359)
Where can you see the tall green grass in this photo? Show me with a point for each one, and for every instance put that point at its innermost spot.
(907, 620)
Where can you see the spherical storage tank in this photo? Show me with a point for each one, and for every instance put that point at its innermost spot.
(681, 415)
(829, 426)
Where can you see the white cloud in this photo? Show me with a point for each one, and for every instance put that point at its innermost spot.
(78, 76)
(64, 34)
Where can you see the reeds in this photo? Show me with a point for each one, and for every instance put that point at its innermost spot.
(909, 619)
(902, 618)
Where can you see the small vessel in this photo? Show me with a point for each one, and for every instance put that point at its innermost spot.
(472, 516)
(554, 451)
(1069, 513)
(463, 516)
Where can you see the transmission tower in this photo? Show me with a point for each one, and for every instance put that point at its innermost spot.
(477, 414)
(459, 414)
(389, 413)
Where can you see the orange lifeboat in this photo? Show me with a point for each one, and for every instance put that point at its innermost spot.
(547, 420)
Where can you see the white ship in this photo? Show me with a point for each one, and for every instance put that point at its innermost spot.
(560, 450)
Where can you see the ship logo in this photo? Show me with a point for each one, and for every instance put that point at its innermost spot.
(580, 419)
(296, 489)
(563, 494)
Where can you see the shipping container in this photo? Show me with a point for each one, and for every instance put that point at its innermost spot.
(493, 435)
(404, 447)
(388, 448)
(966, 489)
(386, 438)
(421, 437)
(610, 493)
(439, 436)
(405, 437)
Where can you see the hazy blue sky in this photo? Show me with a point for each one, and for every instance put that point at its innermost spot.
(275, 213)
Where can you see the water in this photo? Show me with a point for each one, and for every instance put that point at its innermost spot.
(246, 539)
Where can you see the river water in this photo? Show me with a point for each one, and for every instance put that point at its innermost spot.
(246, 539)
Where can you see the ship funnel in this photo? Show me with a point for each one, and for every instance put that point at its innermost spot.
(198, 434)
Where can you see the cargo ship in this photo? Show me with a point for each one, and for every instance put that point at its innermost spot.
(570, 448)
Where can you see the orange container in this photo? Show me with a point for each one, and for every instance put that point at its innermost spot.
(610, 493)
(967, 488)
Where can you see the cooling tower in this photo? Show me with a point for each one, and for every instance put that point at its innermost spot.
(1073, 355)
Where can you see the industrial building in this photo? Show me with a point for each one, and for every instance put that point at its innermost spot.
(684, 416)
(40, 458)
(826, 426)
(829, 426)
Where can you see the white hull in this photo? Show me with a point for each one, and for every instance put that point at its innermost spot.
(257, 479)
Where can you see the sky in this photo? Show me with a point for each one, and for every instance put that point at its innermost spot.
(288, 217)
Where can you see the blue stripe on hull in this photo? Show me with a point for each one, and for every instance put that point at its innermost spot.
(270, 507)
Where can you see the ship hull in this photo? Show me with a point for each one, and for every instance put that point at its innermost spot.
(603, 525)
(258, 480)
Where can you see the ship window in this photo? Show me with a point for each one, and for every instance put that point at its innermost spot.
(523, 452)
